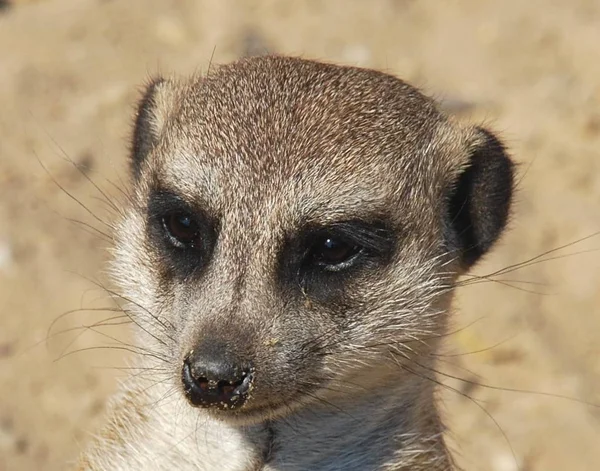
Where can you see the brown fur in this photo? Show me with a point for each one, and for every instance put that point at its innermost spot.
(265, 153)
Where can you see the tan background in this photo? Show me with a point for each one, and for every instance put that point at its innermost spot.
(69, 75)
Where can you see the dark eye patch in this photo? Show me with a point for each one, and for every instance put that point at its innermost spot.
(321, 259)
(341, 243)
(184, 236)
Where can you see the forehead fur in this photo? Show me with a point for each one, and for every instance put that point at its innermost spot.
(274, 125)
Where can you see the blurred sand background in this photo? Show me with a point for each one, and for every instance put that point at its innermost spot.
(70, 72)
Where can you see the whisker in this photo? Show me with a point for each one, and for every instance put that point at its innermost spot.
(512, 390)
(473, 400)
(71, 196)
(473, 352)
(132, 349)
(512, 267)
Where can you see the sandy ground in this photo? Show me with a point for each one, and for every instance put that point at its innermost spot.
(70, 72)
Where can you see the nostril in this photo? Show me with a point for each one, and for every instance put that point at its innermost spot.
(210, 385)
(202, 383)
(225, 388)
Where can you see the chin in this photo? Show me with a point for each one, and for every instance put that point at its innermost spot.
(250, 414)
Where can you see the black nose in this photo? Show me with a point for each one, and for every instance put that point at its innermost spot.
(212, 381)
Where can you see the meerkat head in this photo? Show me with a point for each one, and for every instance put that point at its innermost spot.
(296, 226)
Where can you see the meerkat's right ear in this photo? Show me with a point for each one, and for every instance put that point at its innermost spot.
(151, 115)
(481, 197)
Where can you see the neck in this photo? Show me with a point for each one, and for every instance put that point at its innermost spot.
(399, 429)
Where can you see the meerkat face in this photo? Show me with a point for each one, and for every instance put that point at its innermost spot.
(296, 227)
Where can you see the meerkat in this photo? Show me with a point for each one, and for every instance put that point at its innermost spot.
(293, 237)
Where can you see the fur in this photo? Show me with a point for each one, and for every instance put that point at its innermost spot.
(265, 153)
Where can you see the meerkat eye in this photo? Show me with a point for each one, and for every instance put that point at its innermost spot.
(182, 229)
(333, 252)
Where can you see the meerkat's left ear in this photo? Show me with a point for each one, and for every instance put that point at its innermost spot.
(481, 197)
(151, 115)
